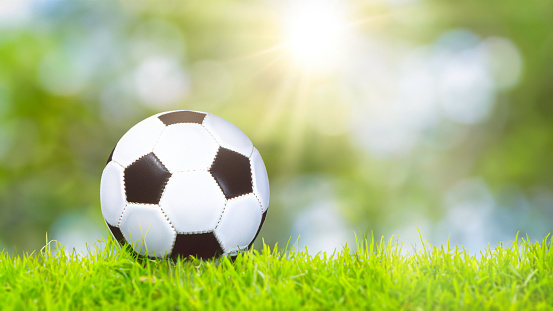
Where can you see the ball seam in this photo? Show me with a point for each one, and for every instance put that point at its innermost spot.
(167, 216)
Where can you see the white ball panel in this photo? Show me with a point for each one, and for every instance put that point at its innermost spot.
(112, 193)
(193, 201)
(147, 230)
(239, 223)
(138, 141)
(260, 179)
(186, 146)
(228, 135)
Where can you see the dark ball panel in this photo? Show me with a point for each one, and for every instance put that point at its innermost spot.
(116, 233)
(145, 180)
(232, 172)
(201, 245)
(110, 156)
(259, 229)
(182, 117)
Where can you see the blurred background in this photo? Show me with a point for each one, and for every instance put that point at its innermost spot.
(371, 115)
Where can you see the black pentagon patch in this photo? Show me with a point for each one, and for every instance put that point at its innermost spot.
(259, 229)
(201, 245)
(145, 180)
(116, 233)
(232, 172)
(110, 156)
(182, 117)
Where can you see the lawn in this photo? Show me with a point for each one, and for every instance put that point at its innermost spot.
(375, 274)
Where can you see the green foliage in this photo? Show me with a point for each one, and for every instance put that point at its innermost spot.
(68, 92)
(376, 275)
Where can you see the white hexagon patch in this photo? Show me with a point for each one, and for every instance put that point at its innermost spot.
(147, 230)
(186, 146)
(112, 193)
(193, 201)
(138, 141)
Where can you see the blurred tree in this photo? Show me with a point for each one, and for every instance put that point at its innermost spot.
(74, 76)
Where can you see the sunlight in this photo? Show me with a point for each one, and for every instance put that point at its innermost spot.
(314, 32)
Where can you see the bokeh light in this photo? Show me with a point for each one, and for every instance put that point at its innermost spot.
(382, 116)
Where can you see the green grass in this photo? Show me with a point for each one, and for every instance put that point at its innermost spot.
(373, 276)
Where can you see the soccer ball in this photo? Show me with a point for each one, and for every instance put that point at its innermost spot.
(184, 183)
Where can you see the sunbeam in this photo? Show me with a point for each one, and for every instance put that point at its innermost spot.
(261, 53)
(314, 33)
(297, 128)
(277, 108)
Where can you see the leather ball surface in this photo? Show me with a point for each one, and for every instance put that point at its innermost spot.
(184, 183)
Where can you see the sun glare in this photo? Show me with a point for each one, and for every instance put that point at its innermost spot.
(314, 33)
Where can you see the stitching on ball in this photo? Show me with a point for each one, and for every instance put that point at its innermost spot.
(220, 242)
(125, 193)
(212, 135)
(117, 163)
(254, 185)
(221, 216)
(218, 186)
(259, 201)
(132, 203)
(214, 158)
(216, 140)
(156, 116)
(193, 124)
(164, 189)
(151, 151)
(121, 216)
(224, 196)
(172, 228)
(154, 147)
(194, 232)
(137, 160)
(123, 185)
(159, 137)
(143, 204)
(165, 214)
(239, 196)
(187, 171)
